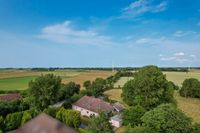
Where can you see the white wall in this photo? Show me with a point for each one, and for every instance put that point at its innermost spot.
(84, 112)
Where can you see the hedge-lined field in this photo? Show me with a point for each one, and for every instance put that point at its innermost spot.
(19, 79)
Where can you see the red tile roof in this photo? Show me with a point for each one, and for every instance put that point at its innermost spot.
(94, 104)
(11, 96)
(44, 124)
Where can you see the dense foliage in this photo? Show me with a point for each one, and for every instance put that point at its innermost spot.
(190, 88)
(13, 121)
(44, 90)
(71, 118)
(166, 119)
(100, 124)
(133, 115)
(26, 117)
(149, 88)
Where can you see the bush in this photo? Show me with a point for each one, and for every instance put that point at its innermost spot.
(51, 111)
(13, 121)
(190, 88)
(71, 118)
(26, 117)
(7, 107)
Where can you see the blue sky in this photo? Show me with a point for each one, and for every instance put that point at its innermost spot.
(99, 33)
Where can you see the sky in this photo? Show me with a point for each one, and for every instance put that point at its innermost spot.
(99, 33)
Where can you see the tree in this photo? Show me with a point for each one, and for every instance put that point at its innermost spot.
(166, 119)
(190, 88)
(44, 90)
(98, 87)
(133, 115)
(69, 90)
(87, 84)
(136, 129)
(100, 124)
(51, 111)
(13, 121)
(149, 88)
(26, 117)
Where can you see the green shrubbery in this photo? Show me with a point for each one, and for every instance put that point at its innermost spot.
(190, 88)
(71, 118)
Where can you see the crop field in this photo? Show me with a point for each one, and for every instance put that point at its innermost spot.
(122, 81)
(179, 77)
(19, 79)
(176, 77)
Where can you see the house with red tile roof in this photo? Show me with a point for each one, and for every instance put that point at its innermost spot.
(44, 124)
(9, 97)
(89, 106)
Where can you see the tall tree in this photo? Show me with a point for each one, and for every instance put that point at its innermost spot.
(100, 124)
(87, 84)
(149, 88)
(44, 90)
(166, 119)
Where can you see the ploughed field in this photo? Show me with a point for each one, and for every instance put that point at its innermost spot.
(19, 79)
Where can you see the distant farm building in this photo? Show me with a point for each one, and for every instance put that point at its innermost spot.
(90, 106)
(44, 124)
(118, 107)
(9, 97)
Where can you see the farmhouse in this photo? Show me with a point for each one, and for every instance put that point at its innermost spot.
(44, 124)
(9, 97)
(89, 106)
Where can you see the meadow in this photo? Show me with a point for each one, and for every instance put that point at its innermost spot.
(19, 79)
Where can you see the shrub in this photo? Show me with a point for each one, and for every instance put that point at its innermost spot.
(13, 121)
(26, 117)
(190, 88)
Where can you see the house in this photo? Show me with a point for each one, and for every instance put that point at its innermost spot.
(118, 107)
(116, 121)
(9, 97)
(91, 106)
(44, 124)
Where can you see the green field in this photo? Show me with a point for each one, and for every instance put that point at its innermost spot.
(19, 79)
(18, 83)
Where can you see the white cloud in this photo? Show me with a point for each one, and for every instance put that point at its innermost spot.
(179, 57)
(179, 54)
(181, 33)
(140, 7)
(65, 33)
